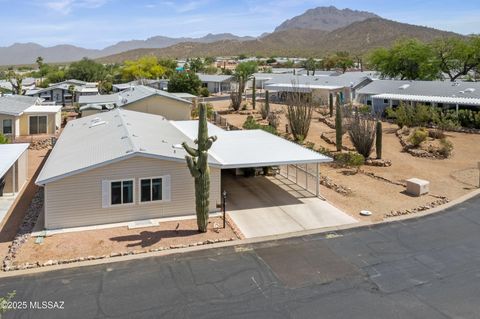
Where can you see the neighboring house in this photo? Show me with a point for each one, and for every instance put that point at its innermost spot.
(121, 166)
(60, 93)
(186, 96)
(320, 88)
(384, 93)
(216, 83)
(27, 84)
(24, 115)
(161, 84)
(139, 98)
(13, 174)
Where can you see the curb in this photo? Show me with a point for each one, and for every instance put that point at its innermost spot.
(242, 242)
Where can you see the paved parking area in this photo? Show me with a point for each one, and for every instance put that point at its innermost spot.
(260, 207)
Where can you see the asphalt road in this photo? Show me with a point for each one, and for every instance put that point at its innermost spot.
(421, 268)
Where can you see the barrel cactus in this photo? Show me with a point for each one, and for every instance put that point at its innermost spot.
(197, 162)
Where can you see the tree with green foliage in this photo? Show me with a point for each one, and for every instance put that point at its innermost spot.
(343, 60)
(407, 60)
(196, 65)
(184, 82)
(197, 162)
(146, 67)
(209, 60)
(86, 70)
(378, 139)
(4, 139)
(310, 65)
(338, 125)
(243, 73)
(16, 80)
(456, 56)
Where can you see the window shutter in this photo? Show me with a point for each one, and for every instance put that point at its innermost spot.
(105, 193)
(166, 189)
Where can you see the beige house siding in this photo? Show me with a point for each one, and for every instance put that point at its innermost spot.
(51, 123)
(77, 200)
(21, 170)
(169, 108)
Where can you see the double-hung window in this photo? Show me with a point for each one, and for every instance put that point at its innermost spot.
(7, 126)
(151, 189)
(121, 192)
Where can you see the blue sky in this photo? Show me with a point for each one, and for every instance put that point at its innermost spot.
(99, 23)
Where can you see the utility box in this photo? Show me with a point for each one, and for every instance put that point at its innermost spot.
(417, 187)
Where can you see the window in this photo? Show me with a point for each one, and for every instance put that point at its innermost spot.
(151, 189)
(121, 192)
(7, 126)
(38, 125)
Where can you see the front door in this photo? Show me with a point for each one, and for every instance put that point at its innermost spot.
(38, 125)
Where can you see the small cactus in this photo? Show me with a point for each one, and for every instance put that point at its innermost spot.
(338, 125)
(197, 161)
(378, 139)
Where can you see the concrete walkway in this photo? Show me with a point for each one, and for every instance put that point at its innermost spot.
(259, 207)
(6, 202)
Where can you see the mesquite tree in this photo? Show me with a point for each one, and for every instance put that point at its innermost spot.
(197, 161)
(361, 130)
(378, 140)
(338, 125)
(299, 113)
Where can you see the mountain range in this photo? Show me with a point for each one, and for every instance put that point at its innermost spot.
(318, 31)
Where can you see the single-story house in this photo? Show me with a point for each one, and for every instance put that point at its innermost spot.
(24, 115)
(216, 83)
(321, 88)
(160, 84)
(139, 98)
(384, 93)
(13, 174)
(122, 165)
(61, 93)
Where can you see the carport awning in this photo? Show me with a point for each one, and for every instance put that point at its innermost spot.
(252, 148)
(9, 154)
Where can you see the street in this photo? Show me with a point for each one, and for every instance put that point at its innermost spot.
(421, 268)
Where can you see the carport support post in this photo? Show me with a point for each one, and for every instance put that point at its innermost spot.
(317, 185)
(14, 178)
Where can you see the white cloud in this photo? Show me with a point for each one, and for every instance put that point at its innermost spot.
(66, 6)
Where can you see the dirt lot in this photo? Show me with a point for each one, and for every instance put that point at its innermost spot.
(105, 242)
(452, 177)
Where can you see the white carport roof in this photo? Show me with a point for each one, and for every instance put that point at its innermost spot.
(431, 99)
(295, 87)
(252, 148)
(43, 109)
(9, 154)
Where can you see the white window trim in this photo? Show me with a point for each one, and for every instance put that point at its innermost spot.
(37, 115)
(151, 202)
(110, 192)
(11, 127)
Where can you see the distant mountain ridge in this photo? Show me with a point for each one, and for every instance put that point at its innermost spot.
(325, 19)
(27, 53)
(318, 31)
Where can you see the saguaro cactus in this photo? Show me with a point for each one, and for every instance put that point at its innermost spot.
(254, 93)
(197, 161)
(338, 125)
(378, 139)
(330, 104)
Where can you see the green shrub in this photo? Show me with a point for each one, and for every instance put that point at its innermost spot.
(4, 139)
(310, 145)
(324, 151)
(446, 147)
(204, 92)
(418, 137)
(210, 111)
(251, 124)
(350, 159)
(436, 134)
(365, 109)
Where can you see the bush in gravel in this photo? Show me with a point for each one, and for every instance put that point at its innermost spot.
(446, 147)
(418, 137)
(273, 119)
(251, 124)
(350, 159)
(436, 134)
(264, 110)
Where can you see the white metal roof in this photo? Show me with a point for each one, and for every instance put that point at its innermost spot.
(39, 108)
(9, 154)
(296, 87)
(431, 99)
(104, 138)
(252, 148)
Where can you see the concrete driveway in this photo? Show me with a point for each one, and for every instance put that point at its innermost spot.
(262, 206)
